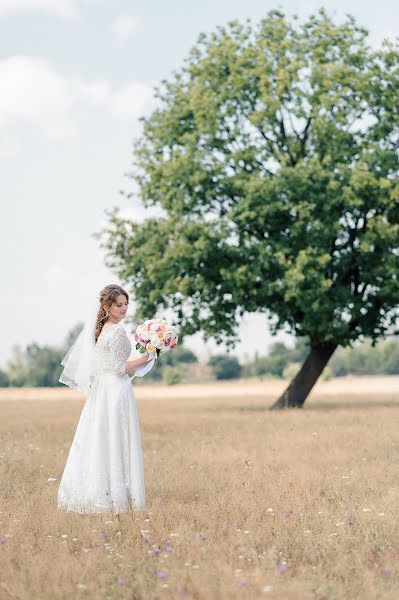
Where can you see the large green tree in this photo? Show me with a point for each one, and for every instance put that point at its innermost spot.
(272, 159)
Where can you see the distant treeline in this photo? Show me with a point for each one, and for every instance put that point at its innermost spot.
(363, 359)
(39, 366)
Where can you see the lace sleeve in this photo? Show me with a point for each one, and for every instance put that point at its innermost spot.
(117, 345)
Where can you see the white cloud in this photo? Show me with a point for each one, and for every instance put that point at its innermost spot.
(126, 103)
(35, 97)
(131, 101)
(61, 8)
(97, 92)
(123, 26)
(32, 92)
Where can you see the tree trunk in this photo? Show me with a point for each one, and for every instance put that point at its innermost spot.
(299, 388)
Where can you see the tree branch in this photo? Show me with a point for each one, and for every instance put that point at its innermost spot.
(280, 123)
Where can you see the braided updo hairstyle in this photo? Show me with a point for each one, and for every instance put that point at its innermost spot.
(108, 296)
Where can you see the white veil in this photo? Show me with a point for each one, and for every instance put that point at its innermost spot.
(78, 363)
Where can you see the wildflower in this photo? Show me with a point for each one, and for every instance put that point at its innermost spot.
(387, 574)
(282, 568)
(121, 581)
(242, 582)
(162, 575)
(351, 519)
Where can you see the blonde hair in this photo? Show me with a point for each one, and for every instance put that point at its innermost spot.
(108, 296)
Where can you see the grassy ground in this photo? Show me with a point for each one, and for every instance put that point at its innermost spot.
(241, 502)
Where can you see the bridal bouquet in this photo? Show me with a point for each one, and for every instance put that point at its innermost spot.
(155, 336)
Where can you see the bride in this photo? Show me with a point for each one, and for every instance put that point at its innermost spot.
(104, 469)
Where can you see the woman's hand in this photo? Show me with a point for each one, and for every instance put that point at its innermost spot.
(132, 365)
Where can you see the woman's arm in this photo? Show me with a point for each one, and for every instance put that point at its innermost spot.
(132, 365)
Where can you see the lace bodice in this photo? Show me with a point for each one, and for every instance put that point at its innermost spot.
(112, 350)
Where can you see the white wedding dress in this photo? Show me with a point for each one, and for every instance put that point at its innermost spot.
(104, 469)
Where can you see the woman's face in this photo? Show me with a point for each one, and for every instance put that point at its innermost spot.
(119, 308)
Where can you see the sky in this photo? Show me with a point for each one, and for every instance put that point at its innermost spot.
(75, 77)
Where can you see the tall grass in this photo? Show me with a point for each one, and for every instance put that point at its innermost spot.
(241, 502)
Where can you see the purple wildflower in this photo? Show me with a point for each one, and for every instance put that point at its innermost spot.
(351, 519)
(282, 568)
(162, 575)
(387, 574)
(243, 582)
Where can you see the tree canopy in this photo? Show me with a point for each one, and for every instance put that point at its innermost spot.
(273, 160)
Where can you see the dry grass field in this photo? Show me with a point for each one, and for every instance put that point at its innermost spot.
(241, 502)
